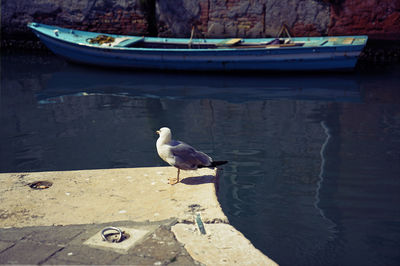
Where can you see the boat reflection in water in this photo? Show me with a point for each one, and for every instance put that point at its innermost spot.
(79, 80)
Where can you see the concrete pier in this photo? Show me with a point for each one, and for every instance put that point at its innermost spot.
(65, 220)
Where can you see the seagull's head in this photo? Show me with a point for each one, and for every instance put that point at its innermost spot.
(164, 133)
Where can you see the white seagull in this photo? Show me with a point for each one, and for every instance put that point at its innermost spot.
(181, 155)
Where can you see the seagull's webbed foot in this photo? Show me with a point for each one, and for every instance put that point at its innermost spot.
(173, 181)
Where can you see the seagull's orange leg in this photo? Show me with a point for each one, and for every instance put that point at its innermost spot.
(177, 179)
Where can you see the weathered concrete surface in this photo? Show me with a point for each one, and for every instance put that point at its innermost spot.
(216, 248)
(98, 196)
(63, 245)
(140, 195)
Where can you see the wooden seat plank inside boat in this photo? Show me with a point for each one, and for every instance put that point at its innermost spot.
(202, 45)
(171, 45)
(348, 40)
(230, 42)
(129, 42)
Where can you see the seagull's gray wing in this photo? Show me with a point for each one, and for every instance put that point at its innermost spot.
(186, 157)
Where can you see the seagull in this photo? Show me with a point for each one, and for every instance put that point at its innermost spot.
(181, 155)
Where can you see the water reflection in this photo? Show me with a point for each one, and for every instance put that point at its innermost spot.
(234, 88)
(313, 167)
(322, 176)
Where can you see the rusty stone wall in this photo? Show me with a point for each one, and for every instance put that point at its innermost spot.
(176, 17)
(112, 16)
(262, 18)
(209, 18)
(380, 19)
(237, 18)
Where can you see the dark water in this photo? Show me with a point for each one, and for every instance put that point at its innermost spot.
(314, 160)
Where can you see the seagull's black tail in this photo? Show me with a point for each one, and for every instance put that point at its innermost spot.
(217, 163)
(213, 164)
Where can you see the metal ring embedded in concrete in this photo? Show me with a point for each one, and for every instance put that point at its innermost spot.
(111, 228)
(40, 184)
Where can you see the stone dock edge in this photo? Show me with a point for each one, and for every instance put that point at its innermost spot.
(58, 217)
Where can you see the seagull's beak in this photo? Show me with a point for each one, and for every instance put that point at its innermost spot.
(158, 132)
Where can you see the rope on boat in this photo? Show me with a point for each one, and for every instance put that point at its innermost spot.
(191, 38)
(284, 28)
(101, 39)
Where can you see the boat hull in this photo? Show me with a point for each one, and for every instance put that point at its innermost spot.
(280, 59)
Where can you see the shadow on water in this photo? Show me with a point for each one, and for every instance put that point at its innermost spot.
(313, 170)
